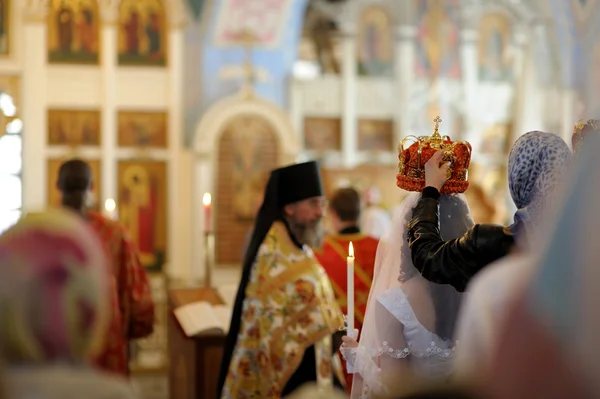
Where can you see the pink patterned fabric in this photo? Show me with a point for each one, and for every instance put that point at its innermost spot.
(54, 290)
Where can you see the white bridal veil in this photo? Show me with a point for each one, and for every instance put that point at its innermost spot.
(409, 321)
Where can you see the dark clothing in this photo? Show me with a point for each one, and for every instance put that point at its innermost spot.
(349, 230)
(456, 261)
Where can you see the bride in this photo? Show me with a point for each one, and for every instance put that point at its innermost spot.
(409, 321)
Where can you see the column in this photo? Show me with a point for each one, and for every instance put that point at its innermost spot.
(404, 76)
(468, 55)
(349, 117)
(175, 215)
(33, 106)
(202, 182)
(529, 93)
(108, 56)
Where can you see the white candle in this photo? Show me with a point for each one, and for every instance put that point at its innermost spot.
(206, 200)
(110, 207)
(350, 293)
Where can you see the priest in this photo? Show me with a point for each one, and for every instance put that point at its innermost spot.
(285, 313)
(343, 212)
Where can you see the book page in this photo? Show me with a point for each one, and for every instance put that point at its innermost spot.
(199, 318)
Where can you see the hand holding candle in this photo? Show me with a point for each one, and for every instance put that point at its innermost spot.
(350, 291)
(206, 200)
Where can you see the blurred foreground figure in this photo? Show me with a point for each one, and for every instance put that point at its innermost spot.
(538, 165)
(344, 214)
(547, 346)
(55, 306)
(285, 311)
(133, 313)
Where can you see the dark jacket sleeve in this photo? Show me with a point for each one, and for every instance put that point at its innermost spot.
(456, 261)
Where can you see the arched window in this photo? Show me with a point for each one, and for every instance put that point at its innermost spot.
(11, 163)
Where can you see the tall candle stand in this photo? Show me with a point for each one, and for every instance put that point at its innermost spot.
(209, 257)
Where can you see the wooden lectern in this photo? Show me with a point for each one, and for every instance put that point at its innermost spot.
(194, 362)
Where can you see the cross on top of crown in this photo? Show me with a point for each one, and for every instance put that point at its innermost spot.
(437, 122)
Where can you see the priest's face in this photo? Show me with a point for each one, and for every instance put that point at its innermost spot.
(304, 218)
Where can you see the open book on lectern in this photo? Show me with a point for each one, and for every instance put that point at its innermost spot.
(202, 318)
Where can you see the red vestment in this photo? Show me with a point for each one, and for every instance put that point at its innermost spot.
(133, 313)
(333, 257)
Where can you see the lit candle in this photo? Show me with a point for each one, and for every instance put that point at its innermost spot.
(206, 200)
(110, 207)
(350, 293)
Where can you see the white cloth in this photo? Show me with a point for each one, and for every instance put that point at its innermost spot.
(375, 222)
(409, 321)
(488, 297)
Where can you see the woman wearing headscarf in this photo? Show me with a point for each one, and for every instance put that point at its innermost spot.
(55, 305)
(538, 163)
(547, 345)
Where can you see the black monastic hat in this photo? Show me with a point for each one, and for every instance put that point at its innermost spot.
(286, 185)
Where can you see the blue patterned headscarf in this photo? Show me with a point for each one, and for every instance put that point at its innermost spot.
(536, 166)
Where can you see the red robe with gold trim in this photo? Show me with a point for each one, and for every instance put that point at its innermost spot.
(333, 257)
(133, 310)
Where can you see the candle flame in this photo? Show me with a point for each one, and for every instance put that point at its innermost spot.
(351, 250)
(110, 205)
(206, 199)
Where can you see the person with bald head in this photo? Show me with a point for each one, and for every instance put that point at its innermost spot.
(133, 310)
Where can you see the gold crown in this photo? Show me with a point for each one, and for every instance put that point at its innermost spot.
(411, 168)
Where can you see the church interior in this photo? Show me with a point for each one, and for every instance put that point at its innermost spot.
(183, 107)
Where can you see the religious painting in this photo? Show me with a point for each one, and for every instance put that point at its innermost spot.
(266, 20)
(248, 151)
(322, 134)
(9, 90)
(494, 60)
(375, 43)
(376, 135)
(142, 129)
(5, 26)
(142, 199)
(438, 39)
(10, 84)
(142, 33)
(74, 128)
(74, 32)
(53, 195)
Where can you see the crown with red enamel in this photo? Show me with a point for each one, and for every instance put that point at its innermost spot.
(411, 169)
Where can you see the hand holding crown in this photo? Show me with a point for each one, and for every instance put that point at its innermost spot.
(450, 178)
(436, 174)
